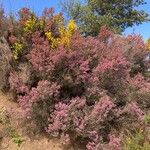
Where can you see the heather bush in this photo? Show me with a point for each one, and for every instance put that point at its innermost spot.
(140, 91)
(37, 102)
(80, 89)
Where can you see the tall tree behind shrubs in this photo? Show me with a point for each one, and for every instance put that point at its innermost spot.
(92, 14)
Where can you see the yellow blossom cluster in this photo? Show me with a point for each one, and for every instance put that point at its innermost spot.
(148, 44)
(54, 41)
(65, 35)
(30, 24)
(17, 47)
(71, 26)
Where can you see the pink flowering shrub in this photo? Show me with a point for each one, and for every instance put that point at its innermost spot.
(114, 143)
(37, 102)
(17, 84)
(40, 54)
(140, 88)
(84, 92)
(135, 111)
(76, 118)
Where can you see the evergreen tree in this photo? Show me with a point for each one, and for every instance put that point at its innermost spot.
(116, 14)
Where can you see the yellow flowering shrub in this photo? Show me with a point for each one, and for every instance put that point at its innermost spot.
(17, 47)
(71, 26)
(65, 34)
(148, 44)
(30, 24)
(54, 41)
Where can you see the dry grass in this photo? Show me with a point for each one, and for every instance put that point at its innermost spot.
(5, 60)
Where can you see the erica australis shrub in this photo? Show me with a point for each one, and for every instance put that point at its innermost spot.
(83, 89)
(16, 83)
(37, 102)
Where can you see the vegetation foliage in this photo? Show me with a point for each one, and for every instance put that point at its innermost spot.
(81, 89)
(93, 14)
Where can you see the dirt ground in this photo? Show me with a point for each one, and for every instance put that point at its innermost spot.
(30, 141)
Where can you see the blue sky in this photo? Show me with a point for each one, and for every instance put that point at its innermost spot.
(143, 29)
(39, 5)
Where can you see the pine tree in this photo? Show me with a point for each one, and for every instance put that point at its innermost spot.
(90, 15)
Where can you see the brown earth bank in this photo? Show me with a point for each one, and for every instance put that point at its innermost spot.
(29, 139)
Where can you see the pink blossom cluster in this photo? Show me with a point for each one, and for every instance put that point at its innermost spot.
(60, 119)
(76, 117)
(92, 146)
(138, 81)
(40, 55)
(17, 84)
(114, 143)
(45, 91)
(102, 108)
(115, 63)
(135, 110)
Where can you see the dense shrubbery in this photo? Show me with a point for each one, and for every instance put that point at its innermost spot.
(85, 89)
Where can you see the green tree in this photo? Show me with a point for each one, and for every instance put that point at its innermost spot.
(116, 14)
